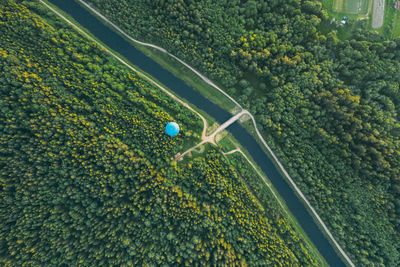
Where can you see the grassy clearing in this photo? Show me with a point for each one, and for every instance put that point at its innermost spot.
(334, 11)
(200, 152)
(396, 25)
(337, 9)
(328, 4)
(391, 21)
(388, 19)
(212, 127)
(350, 8)
(226, 144)
(338, 6)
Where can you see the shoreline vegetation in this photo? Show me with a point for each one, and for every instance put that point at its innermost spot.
(95, 165)
(327, 107)
(209, 92)
(164, 58)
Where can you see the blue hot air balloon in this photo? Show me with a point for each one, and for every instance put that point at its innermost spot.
(172, 128)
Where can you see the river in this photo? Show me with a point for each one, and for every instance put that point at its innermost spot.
(137, 58)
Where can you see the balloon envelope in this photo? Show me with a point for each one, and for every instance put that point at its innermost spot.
(172, 128)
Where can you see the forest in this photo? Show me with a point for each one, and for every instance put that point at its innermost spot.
(328, 107)
(86, 176)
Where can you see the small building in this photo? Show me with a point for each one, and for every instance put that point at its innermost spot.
(344, 20)
(397, 5)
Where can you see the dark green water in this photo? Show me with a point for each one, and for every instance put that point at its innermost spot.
(137, 58)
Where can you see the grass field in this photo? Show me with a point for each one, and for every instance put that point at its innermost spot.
(354, 9)
(339, 8)
(350, 6)
(396, 25)
(391, 21)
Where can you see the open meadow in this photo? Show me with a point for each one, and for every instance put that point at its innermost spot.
(350, 6)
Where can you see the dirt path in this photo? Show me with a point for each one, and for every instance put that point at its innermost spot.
(211, 138)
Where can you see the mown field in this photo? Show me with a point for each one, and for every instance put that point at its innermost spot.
(340, 8)
(391, 22)
(85, 170)
(396, 25)
(350, 6)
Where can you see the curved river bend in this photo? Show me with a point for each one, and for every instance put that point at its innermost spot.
(137, 58)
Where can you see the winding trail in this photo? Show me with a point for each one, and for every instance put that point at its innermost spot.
(204, 137)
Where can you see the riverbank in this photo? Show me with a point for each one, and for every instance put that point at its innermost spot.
(251, 165)
(228, 145)
(220, 115)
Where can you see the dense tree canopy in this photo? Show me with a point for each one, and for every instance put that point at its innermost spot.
(329, 108)
(85, 170)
